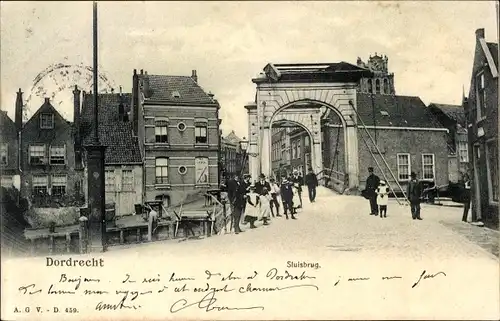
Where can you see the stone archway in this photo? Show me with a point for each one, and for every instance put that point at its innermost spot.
(297, 92)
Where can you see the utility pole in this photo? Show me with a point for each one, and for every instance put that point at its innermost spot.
(95, 164)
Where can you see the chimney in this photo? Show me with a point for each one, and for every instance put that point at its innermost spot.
(194, 76)
(480, 34)
(19, 111)
(121, 108)
(145, 85)
(76, 114)
(120, 90)
(135, 103)
(47, 100)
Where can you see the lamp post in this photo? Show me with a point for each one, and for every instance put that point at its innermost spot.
(243, 147)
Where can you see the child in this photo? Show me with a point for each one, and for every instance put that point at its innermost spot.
(382, 198)
(265, 206)
(252, 209)
(296, 198)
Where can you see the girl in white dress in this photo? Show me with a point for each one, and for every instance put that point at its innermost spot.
(382, 198)
(265, 206)
(252, 209)
(296, 197)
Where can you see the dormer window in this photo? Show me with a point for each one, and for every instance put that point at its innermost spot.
(46, 121)
(175, 94)
(384, 113)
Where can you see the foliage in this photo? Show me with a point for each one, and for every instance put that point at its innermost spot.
(40, 217)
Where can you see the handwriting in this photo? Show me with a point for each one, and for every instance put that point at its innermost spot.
(128, 279)
(92, 292)
(51, 291)
(425, 276)
(25, 289)
(208, 288)
(249, 288)
(230, 277)
(173, 279)
(117, 306)
(78, 280)
(273, 275)
(207, 304)
(151, 280)
(391, 277)
(357, 279)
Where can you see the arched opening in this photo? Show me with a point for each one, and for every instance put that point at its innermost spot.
(377, 86)
(387, 89)
(315, 137)
(370, 86)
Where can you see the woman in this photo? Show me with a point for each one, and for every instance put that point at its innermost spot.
(252, 209)
(265, 206)
(296, 198)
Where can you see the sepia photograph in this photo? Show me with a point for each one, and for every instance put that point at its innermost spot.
(249, 160)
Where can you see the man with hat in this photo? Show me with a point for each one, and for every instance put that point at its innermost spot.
(312, 183)
(286, 198)
(414, 194)
(261, 184)
(372, 183)
(236, 195)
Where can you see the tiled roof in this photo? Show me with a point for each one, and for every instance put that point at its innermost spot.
(394, 111)
(116, 134)
(164, 88)
(231, 137)
(493, 47)
(454, 112)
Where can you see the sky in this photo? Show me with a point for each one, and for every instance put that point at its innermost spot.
(430, 45)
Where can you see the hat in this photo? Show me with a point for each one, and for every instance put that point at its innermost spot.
(262, 176)
(382, 182)
(370, 169)
(295, 171)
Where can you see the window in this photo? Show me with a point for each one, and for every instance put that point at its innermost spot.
(46, 121)
(492, 150)
(377, 86)
(201, 170)
(127, 180)
(4, 154)
(306, 141)
(37, 154)
(181, 126)
(428, 166)
(404, 167)
(40, 185)
(57, 155)
(59, 185)
(6, 181)
(182, 170)
(299, 149)
(481, 96)
(161, 131)
(370, 87)
(109, 180)
(387, 90)
(463, 151)
(162, 171)
(200, 133)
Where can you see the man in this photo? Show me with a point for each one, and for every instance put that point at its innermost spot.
(298, 181)
(261, 184)
(312, 183)
(466, 198)
(372, 183)
(236, 195)
(246, 189)
(152, 223)
(286, 198)
(275, 191)
(414, 194)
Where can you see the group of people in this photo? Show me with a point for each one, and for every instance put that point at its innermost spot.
(254, 201)
(377, 192)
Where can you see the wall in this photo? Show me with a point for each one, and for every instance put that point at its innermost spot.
(181, 150)
(8, 135)
(61, 134)
(391, 142)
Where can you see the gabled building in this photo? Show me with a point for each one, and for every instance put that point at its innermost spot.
(177, 125)
(122, 157)
(452, 117)
(481, 109)
(50, 171)
(232, 156)
(9, 148)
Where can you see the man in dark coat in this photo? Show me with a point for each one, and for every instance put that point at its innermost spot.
(286, 198)
(298, 180)
(372, 183)
(261, 184)
(414, 194)
(312, 183)
(246, 188)
(466, 197)
(236, 195)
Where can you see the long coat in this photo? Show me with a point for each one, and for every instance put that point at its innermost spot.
(286, 193)
(259, 187)
(236, 193)
(299, 181)
(414, 191)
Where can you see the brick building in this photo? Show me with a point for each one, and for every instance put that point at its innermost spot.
(122, 156)
(481, 109)
(300, 146)
(51, 173)
(177, 125)
(9, 148)
(452, 117)
(281, 151)
(232, 155)
(407, 135)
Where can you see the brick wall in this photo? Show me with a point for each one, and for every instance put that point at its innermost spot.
(60, 135)
(391, 142)
(181, 151)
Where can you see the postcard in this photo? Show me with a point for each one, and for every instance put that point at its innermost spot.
(249, 160)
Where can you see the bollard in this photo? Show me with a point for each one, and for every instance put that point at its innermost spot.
(83, 233)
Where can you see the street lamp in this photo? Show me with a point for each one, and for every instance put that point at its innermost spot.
(243, 147)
